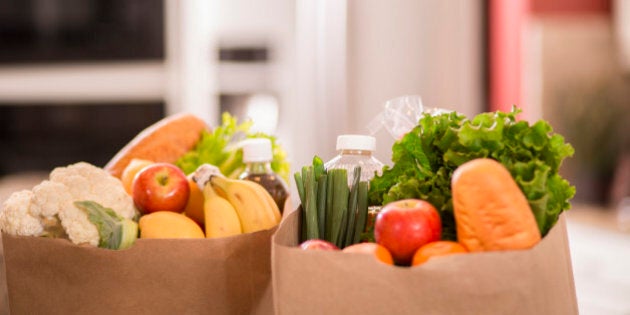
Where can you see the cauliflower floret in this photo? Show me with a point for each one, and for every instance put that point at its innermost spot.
(49, 198)
(15, 217)
(88, 182)
(80, 230)
(55, 198)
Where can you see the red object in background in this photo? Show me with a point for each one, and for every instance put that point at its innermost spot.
(570, 6)
(507, 21)
(506, 26)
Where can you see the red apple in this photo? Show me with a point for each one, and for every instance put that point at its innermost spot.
(403, 226)
(317, 244)
(160, 187)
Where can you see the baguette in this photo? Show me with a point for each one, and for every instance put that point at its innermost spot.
(491, 212)
(164, 141)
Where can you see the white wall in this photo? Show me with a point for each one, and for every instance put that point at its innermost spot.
(319, 112)
(431, 48)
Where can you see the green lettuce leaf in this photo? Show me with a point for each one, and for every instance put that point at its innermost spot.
(218, 147)
(425, 158)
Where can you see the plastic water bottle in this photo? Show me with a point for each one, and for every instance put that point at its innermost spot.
(356, 150)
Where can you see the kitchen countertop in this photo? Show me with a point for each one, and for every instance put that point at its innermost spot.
(600, 253)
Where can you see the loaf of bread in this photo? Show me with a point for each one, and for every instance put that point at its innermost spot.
(491, 212)
(164, 141)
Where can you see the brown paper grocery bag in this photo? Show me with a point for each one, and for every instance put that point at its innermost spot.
(185, 276)
(536, 281)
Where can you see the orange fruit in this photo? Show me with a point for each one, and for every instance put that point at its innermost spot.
(129, 173)
(433, 249)
(168, 224)
(194, 207)
(379, 251)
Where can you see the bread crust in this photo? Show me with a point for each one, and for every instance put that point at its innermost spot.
(491, 212)
(164, 141)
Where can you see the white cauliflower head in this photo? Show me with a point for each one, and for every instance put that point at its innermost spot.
(55, 198)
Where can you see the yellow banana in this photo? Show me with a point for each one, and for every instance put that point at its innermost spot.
(221, 219)
(273, 206)
(250, 202)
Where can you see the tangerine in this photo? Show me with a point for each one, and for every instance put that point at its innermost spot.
(379, 251)
(130, 172)
(434, 249)
(194, 207)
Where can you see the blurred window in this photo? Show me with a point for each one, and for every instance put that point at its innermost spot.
(34, 31)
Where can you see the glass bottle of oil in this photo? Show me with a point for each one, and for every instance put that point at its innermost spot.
(257, 157)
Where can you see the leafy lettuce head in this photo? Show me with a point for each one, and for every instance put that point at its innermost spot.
(425, 158)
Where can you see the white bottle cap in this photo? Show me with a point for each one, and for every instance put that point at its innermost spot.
(256, 150)
(356, 142)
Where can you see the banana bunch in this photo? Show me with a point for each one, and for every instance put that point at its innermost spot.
(220, 217)
(234, 206)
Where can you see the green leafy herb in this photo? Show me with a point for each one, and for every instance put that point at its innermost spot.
(219, 148)
(425, 158)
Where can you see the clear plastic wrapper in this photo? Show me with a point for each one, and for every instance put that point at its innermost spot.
(400, 115)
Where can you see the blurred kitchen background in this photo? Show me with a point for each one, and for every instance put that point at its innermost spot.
(80, 78)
